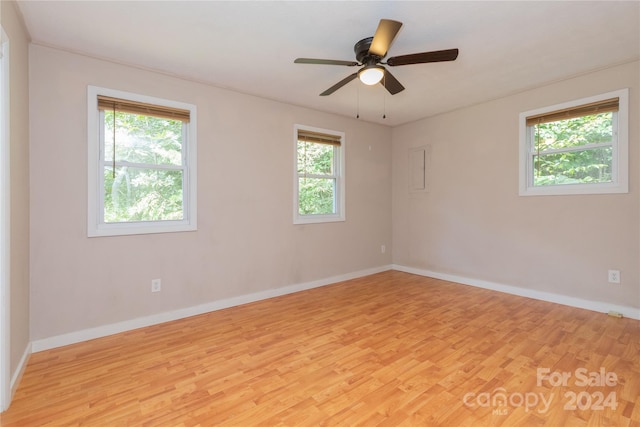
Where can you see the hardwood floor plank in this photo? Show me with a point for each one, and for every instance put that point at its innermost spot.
(391, 349)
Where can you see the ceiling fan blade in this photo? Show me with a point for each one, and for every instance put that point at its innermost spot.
(424, 57)
(382, 39)
(338, 85)
(324, 62)
(391, 83)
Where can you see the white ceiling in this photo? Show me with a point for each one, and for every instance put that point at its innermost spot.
(505, 47)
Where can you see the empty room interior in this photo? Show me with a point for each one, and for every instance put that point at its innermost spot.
(421, 213)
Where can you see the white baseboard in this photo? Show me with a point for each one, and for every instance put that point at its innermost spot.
(17, 375)
(140, 322)
(598, 306)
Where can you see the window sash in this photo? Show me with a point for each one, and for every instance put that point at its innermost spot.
(534, 146)
(167, 166)
(596, 180)
(533, 150)
(133, 171)
(334, 166)
(534, 153)
(334, 204)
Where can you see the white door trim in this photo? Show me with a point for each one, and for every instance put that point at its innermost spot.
(5, 238)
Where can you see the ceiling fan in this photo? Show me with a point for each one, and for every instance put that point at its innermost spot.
(369, 55)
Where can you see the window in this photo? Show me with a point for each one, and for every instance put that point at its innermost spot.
(142, 164)
(578, 147)
(319, 175)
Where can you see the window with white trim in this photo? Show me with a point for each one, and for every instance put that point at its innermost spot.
(579, 147)
(318, 175)
(142, 164)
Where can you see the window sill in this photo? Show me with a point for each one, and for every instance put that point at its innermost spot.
(574, 189)
(123, 229)
(317, 219)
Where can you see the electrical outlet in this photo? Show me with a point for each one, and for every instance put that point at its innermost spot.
(383, 249)
(156, 285)
(614, 276)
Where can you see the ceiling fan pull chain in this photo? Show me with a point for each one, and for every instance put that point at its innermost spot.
(384, 99)
(358, 101)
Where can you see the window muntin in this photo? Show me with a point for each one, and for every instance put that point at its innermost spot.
(142, 176)
(319, 183)
(579, 147)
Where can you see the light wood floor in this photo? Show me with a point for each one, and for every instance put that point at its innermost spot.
(388, 349)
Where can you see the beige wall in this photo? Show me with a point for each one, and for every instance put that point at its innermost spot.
(246, 241)
(19, 158)
(473, 224)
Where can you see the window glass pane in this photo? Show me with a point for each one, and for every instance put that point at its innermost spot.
(316, 196)
(573, 167)
(593, 129)
(143, 139)
(315, 158)
(142, 194)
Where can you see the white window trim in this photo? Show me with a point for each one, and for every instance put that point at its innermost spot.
(340, 181)
(96, 226)
(620, 161)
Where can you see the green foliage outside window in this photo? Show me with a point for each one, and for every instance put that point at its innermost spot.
(316, 181)
(592, 164)
(147, 182)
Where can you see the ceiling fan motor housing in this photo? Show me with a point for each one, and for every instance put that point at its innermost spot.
(362, 52)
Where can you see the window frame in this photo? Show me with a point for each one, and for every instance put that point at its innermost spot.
(338, 175)
(96, 226)
(620, 150)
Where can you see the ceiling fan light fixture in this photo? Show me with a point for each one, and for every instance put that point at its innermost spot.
(371, 74)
